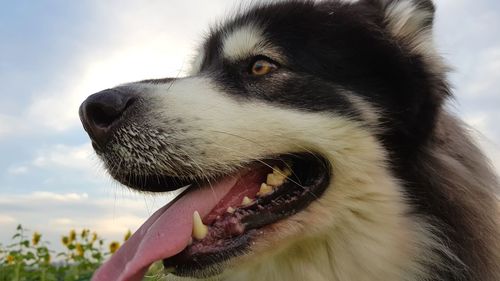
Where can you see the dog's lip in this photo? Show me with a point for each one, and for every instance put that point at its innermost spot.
(247, 223)
(167, 232)
(156, 183)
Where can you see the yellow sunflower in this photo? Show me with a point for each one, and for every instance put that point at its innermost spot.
(36, 238)
(113, 246)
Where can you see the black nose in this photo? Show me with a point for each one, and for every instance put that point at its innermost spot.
(100, 113)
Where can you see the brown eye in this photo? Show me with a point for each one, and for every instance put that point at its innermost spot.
(262, 67)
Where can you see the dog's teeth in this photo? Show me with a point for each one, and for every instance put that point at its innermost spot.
(275, 179)
(190, 242)
(230, 210)
(286, 172)
(278, 176)
(199, 229)
(265, 189)
(246, 201)
(283, 172)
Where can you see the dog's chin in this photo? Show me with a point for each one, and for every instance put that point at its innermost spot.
(264, 193)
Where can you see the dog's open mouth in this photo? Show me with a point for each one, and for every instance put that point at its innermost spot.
(210, 223)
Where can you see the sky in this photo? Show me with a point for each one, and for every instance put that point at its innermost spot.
(54, 53)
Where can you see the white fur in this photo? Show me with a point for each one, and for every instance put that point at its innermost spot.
(370, 113)
(406, 21)
(247, 41)
(197, 61)
(359, 229)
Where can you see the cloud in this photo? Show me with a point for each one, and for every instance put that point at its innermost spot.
(6, 220)
(58, 109)
(128, 41)
(474, 54)
(17, 170)
(50, 196)
(59, 168)
(63, 161)
(482, 76)
(4, 125)
(10, 125)
(57, 156)
(54, 214)
(38, 197)
(64, 222)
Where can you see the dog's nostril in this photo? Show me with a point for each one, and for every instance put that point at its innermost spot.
(102, 112)
(103, 116)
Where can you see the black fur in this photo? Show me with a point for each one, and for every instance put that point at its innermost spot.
(333, 47)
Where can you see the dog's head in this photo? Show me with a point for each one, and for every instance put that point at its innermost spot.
(281, 132)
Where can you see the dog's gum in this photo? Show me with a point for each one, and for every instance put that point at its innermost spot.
(199, 229)
(233, 226)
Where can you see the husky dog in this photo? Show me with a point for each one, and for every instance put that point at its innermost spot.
(315, 145)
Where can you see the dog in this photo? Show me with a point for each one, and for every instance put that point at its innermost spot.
(313, 143)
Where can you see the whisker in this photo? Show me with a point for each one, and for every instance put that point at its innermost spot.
(201, 171)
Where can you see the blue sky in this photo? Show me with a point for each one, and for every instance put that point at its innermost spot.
(55, 53)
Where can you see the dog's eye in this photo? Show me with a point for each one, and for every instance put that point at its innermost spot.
(262, 67)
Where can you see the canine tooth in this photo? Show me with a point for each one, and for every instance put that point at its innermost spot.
(265, 189)
(199, 229)
(283, 172)
(275, 179)
(246, 201)
(230, 210)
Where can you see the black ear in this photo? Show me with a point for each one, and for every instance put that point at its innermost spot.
(409, 21)
(423, 4)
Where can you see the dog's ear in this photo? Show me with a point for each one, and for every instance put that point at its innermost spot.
(409, 21)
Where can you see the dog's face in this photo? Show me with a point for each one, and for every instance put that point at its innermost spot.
(282, 131)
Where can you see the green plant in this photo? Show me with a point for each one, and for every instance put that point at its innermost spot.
(25, 259)
(28, 259)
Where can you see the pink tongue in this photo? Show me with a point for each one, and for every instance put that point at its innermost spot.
(165, 234)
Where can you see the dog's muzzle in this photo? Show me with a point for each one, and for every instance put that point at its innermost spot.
(103, 112)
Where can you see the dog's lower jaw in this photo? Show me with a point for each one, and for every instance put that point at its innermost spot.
(374, 238)
(344, 256)
(361, 228)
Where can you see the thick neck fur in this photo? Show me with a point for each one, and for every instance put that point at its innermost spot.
(458, 191)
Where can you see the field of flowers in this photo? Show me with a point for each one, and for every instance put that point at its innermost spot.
(29, 258)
